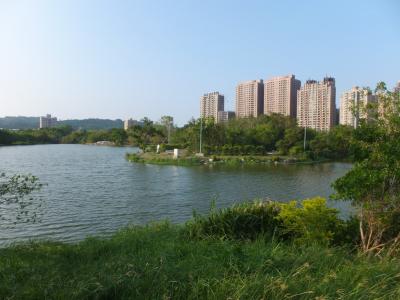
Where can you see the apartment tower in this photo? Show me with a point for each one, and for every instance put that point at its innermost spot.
(397, 87)
(353, 105)
(280, 95)
(316, 106)
(129, 123)
(211, 104)
(47, 121)
(249, 99)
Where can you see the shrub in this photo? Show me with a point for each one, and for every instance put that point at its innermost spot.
(241, 221)
(311, 221)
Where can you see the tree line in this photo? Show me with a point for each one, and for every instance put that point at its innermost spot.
(247, 136)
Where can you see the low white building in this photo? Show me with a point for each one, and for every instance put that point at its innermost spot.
(47, 121)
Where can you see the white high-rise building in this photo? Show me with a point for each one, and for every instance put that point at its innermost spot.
(280, 95)
(129, 123)
(316, 107)
(211, 104)
(47, 121)
(397, 87)
(250, 99)
(353, 105)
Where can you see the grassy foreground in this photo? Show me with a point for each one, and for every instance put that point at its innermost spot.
(159, 262)
(257, 250)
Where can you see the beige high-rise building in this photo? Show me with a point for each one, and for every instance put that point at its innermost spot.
(129, 123)
(280, 95)
(316, 106)
(353, 105)
(249, 99)
(211, 104)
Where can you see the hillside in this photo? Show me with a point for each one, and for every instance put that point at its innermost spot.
(21, 122)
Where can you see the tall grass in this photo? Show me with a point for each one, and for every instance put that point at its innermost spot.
(163, 261)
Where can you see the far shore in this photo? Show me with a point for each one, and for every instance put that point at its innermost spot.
(197, 160)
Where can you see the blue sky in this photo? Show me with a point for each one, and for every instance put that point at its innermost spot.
(120, 59)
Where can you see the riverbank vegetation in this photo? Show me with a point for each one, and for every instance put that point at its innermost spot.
(191, 159)
(264, 139)
(241, 137)
(249, 251)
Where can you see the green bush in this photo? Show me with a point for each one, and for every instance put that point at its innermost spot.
(311, 221)
(241, 221)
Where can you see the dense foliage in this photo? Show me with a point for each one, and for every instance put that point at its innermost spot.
(262, 135)
(373, 184)
(34, 136)
(307, 222)
(139, 135)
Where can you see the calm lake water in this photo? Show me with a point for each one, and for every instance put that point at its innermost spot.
(93, 190)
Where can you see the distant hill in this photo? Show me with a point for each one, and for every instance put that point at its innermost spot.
(19, 122)
(93, 123)
(33, 122)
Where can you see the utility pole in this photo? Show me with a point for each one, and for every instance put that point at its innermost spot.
(305, 137)
(169, 132)
(201, 133)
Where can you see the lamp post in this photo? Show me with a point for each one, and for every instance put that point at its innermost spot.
(201, 133)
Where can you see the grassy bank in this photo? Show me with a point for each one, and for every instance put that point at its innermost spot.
(248, 251)
(163, 159)
(191, 160)
(158, 262)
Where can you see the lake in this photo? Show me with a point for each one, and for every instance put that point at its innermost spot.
(93, 190)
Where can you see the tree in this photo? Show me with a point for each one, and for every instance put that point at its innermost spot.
(168, 123)
(16, 205)
(373, 184)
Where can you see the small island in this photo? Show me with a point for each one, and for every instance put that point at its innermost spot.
(196, 159)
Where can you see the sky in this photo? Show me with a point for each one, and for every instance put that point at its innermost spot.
(122, 59)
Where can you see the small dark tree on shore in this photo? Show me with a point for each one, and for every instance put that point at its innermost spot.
(16, 203)
(373, 184)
